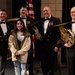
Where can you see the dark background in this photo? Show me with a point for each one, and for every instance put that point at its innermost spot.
(66, 6)
(17, 4)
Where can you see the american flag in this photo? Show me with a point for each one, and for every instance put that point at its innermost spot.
(29, 5)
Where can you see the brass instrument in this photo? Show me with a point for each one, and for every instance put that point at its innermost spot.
(12, 19)
(66, 34)
(37, 33)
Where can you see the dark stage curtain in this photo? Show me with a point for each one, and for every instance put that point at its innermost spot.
(17, 4)
(66, 6)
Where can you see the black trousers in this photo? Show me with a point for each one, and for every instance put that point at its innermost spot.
(70, 54)
(2, 66)
(49, 64)
(30, 61)
(63, 53)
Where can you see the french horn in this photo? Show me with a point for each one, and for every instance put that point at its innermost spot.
(66, 34)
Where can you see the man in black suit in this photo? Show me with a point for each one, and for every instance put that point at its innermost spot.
(49, 42)
(29, 22)
(5, 29)
(70, 50)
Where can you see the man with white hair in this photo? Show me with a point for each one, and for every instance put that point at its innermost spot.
(49, 42)
(70, 50)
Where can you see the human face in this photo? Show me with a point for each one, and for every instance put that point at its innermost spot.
(73, 13)
(3, 15)
(46, 12)
(19, 25)
(23, 12)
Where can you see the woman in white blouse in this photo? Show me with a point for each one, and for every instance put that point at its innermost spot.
(19, 44)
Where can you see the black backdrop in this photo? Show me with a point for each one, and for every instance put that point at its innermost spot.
(17, 4)
(66, 6)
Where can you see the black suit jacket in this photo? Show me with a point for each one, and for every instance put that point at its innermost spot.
(68, 25)
(53, 34)
(49, 41)
(30, 24)
(4, 41)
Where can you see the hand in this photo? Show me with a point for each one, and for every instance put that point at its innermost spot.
(67, 45)
(17, 53)
(56, 49)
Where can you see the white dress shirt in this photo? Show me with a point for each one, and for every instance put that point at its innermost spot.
(45, 26)
(24, 20)
(73, 28)
(4, 28)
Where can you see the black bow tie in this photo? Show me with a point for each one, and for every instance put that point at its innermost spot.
(22, 18)
(73, 22)
(47, 19)
(2, 22)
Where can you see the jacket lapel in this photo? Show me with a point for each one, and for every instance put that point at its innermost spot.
(16, 42)
(49, 28)
(1, 32)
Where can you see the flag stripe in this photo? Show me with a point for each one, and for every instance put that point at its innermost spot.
(31, 9)
(29, 4)
(31, 12)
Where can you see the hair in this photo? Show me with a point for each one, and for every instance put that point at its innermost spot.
(24, 7)
(3, 10)
(23, 29)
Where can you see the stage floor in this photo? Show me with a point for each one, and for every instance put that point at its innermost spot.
(10, 70)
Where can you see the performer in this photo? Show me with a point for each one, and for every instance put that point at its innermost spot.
(49, 42)
(70, 50)
(5, 29)
(28, 21)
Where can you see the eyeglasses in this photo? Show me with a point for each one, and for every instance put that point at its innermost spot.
(72, 11)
